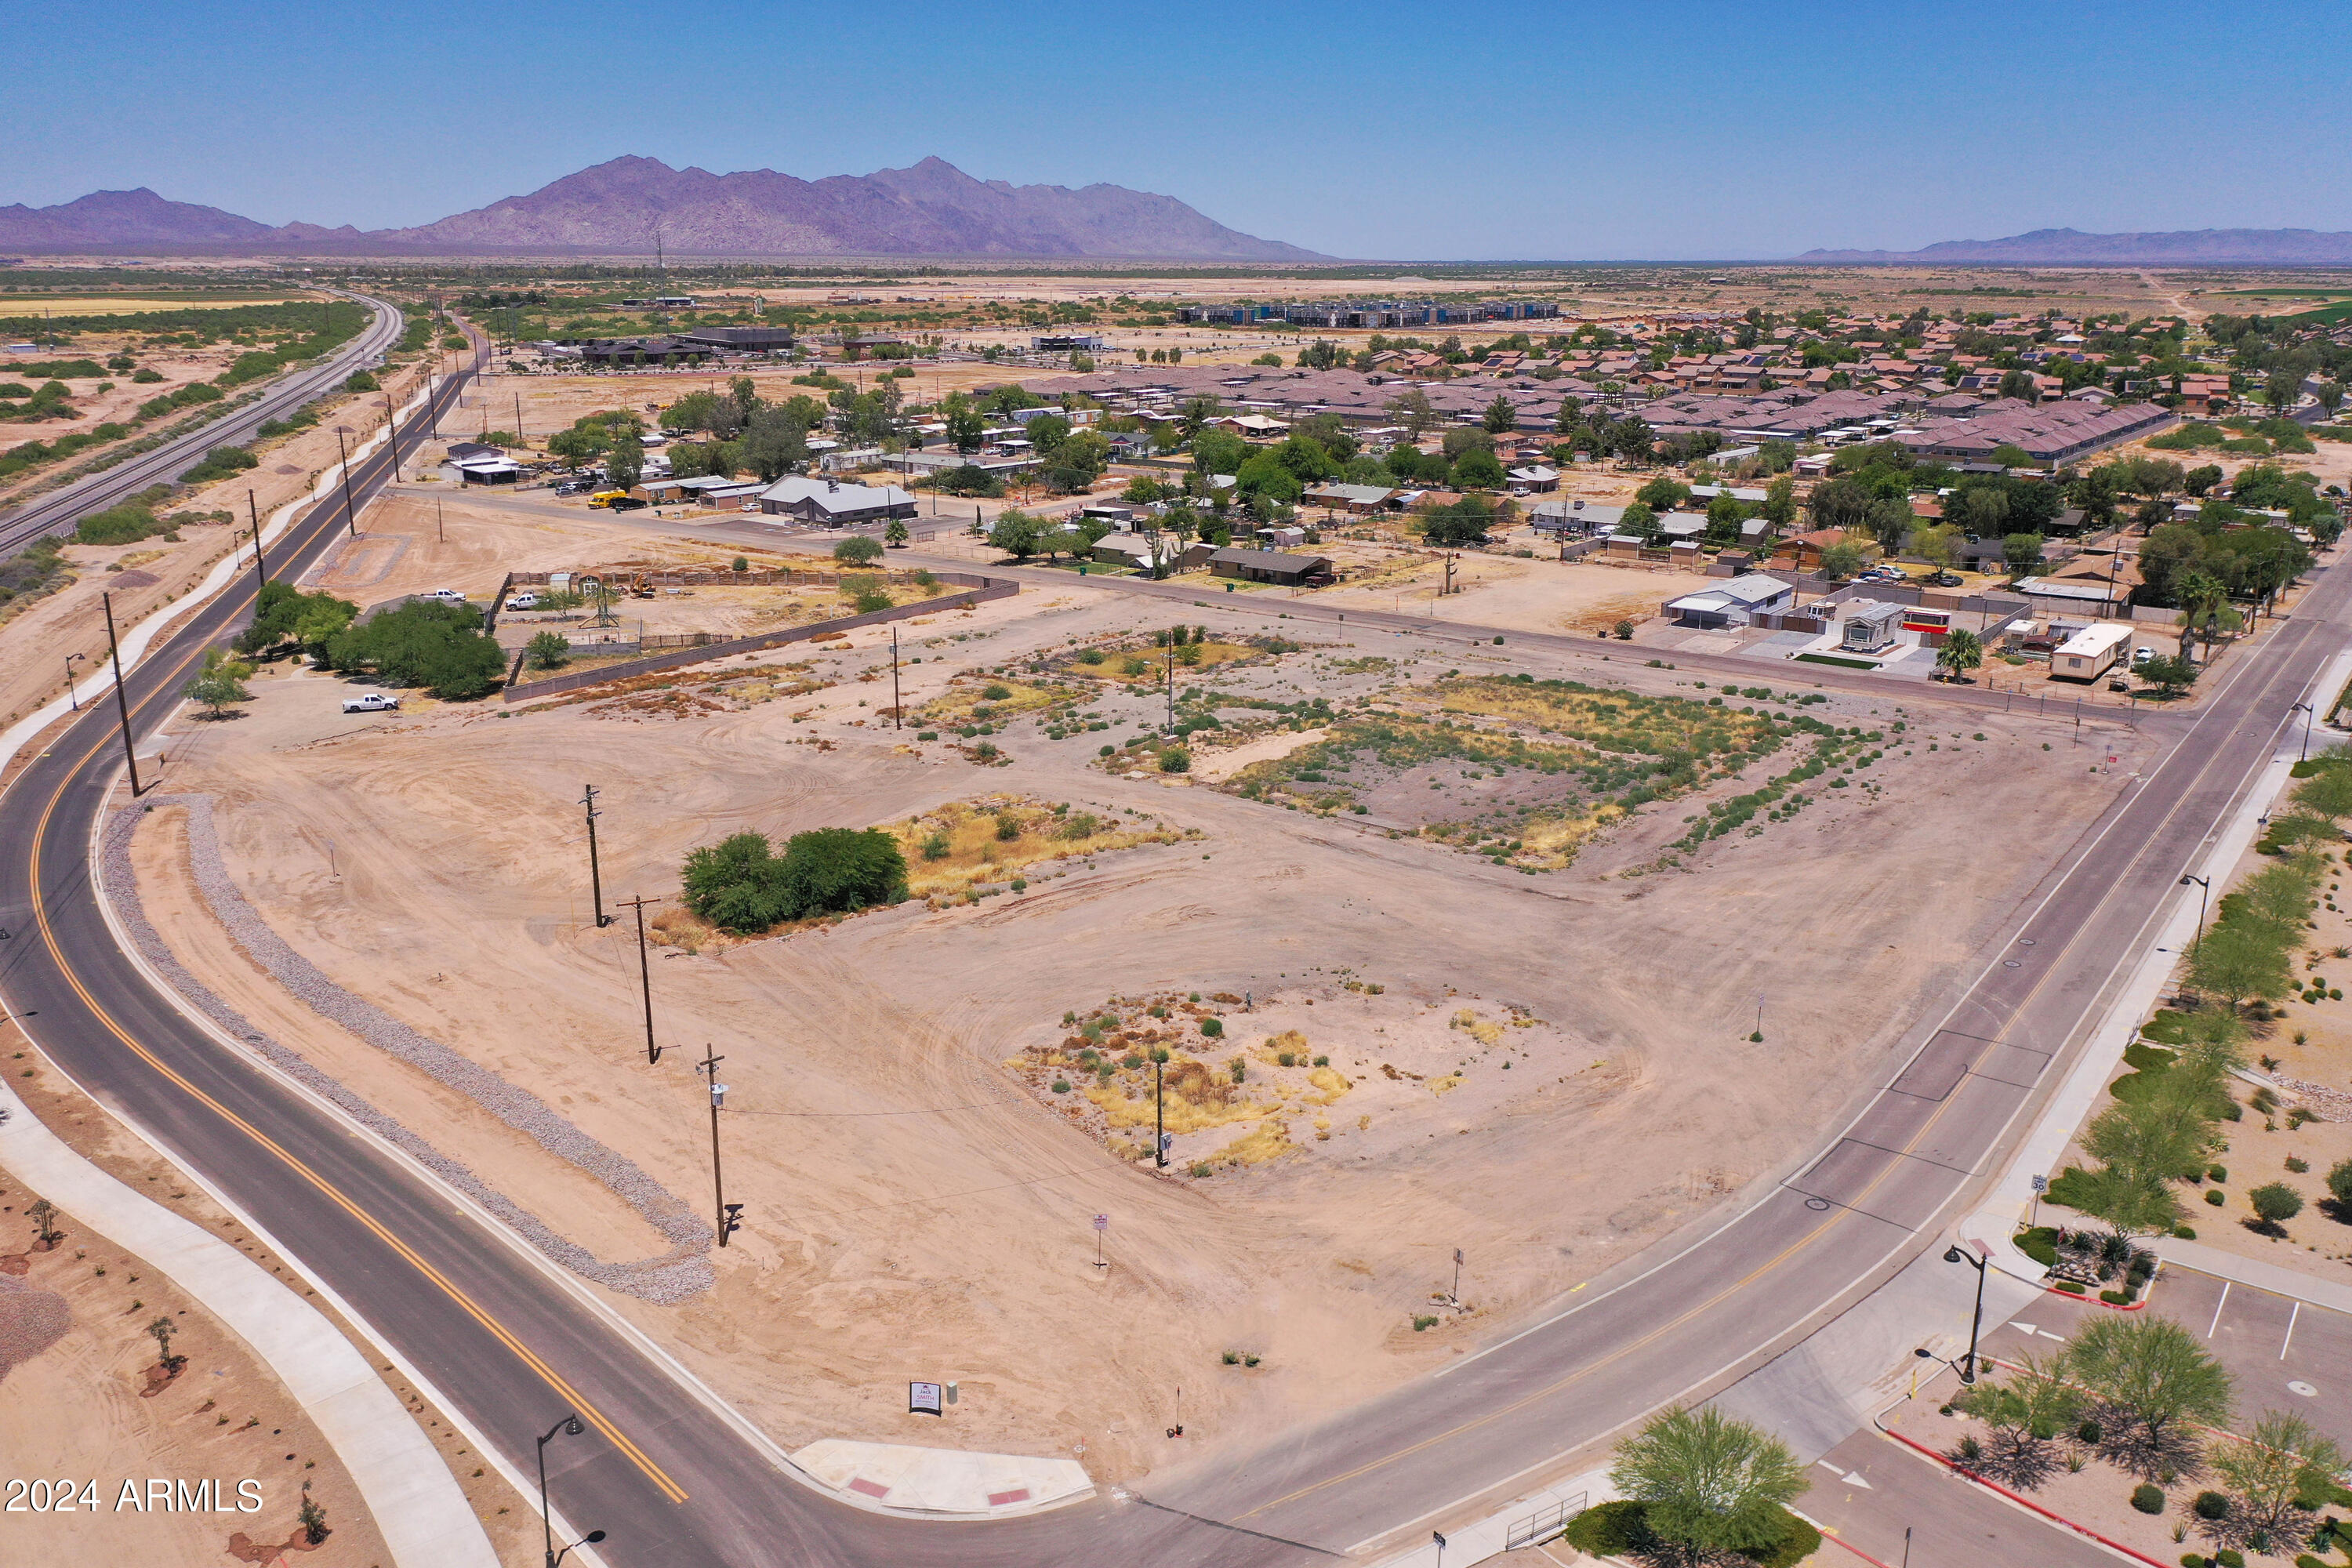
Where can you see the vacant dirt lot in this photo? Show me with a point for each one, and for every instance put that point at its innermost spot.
(1546, 1067)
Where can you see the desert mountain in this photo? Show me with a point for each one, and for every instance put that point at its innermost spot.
(621, 207)
(2180, 248)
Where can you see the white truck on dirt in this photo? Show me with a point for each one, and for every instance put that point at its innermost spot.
(372, 702)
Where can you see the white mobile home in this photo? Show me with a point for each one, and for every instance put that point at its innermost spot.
(2090, 653)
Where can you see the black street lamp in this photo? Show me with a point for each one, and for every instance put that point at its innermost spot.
(568, 1427)
(2204, 891)
(2304, 752)
(590, 1539)
(1953, 1253)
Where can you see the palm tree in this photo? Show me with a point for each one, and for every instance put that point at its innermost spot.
(2205, 612)
(1962, 651)
(1708, 1483)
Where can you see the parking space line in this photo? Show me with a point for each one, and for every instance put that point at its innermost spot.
(2290, 1317)
(2217, 1310)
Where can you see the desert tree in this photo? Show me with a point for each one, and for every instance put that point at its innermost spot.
(1962, 651)
(2153, 1383)
(2024, 1413)
(163, 1329)
(2273, 1472)
(1711, 1483)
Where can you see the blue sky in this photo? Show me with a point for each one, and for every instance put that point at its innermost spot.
(1465, 130)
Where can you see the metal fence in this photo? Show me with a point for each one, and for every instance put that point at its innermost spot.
(1543, 1524)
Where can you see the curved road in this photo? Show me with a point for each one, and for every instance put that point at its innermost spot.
(60, 508)
(675, 1483)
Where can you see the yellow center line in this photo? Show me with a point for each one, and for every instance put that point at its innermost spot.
(497, 1329)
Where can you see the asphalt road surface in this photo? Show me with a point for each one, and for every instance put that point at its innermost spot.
(62, 508)
(675, 1483)
(1869, 1490)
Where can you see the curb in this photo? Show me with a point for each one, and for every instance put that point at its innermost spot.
(1962, 1470)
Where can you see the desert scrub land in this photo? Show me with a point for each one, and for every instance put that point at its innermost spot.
(1551, 1073)
(1544, 765)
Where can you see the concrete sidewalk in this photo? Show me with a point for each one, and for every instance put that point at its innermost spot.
(1998, 1219)
(898, 1477)
(417, 1502)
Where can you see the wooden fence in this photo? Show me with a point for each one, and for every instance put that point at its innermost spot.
(982, 589)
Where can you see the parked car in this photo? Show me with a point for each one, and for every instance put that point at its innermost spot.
(449, 595)
(524, 601)
(371, 702)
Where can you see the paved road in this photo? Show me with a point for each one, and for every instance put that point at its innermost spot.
(676, 1484)
(62, 508)
(1868, 1490)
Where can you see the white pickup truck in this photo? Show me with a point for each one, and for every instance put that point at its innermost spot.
(371, 702)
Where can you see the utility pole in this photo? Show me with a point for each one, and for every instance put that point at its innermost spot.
(1172, 682)
(440, 532)
(260, 573)
(595, 873)
(351, 509)
(1159, 1109)
(728, 1224)
(391, 433)
(645, 974)
(898, 706)
(121, 704)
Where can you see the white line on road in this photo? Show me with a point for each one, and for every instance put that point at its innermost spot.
(2217, 1310)
(2289, 1340)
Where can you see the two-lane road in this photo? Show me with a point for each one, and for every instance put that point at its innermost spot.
(676, 1484)
(60, 508)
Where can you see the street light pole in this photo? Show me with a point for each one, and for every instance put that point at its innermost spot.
(2204, 891)
(1954, 1255)
(71, 696)
(898, 705)
(568, 1427)
(2303, 708)
(1159, 1109)
(595, 874)
(644, 975)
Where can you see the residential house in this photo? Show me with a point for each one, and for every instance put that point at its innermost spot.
(1731, 603)
(1268, 566)
(829, 503)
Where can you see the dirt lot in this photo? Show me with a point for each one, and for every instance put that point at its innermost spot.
(1547, 1068)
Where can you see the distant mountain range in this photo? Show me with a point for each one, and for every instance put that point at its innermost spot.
(624, 206)
(2179, 247)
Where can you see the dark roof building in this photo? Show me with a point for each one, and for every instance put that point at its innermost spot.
(1268, 566)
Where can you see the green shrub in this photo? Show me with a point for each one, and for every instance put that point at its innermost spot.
(2211, 1505)
(857, 551)
(995, 692)
(283, 613)
(740, 884)
(1175, 760)
(2213, 1197)
(2184, 1232)
(2040, 1245)
(125, 523)
(219, 463)
(2147, 1498)
(549, 650)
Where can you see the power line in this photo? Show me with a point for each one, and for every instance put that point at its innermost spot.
(924, 1110)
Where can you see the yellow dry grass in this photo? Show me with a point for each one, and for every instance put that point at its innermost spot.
(963, 701)
(1196, 1098)
(1115, 663)
(954, 848)
(1469, 1023)
(1268, 1141)
(1589, 715)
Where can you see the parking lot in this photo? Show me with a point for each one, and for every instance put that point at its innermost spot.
(2285, 1354)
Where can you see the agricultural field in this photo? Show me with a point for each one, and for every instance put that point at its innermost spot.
(1506, 1006)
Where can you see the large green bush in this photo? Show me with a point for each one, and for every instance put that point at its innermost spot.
(219, 463)
(1623, 1530)
(423, 643)
(284, 614)
(740, 884)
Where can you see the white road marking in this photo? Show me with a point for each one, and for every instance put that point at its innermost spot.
(2289, 1340)
(2217, 1310)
